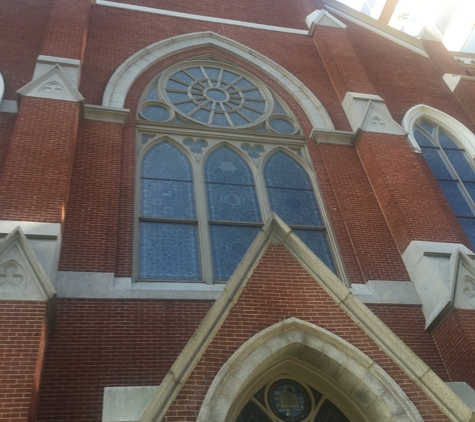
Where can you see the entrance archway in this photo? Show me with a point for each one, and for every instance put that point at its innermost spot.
(351, 380)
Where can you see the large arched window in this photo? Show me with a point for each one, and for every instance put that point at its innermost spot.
(452, 169)
(218, 151)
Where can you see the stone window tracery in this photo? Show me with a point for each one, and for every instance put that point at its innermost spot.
(207, 185)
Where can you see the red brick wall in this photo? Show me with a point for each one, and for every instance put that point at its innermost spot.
(22, 343)
(410, 206)
(442, 60)
(279, 289)
(267, 12)
(100, 343)
(66, 33)
(22, 26)
(89, 241)
(7, 123)
(465, 93)
(455, 338)
(35, 180)
(408, 323)
(374, 248)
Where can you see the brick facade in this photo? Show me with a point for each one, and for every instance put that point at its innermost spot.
(59, 165)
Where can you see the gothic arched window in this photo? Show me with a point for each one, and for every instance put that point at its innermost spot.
(218, 151)
(452, 169)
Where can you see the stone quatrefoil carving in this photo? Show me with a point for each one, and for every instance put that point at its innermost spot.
(377, 122)
(469, 287)
(11, 273)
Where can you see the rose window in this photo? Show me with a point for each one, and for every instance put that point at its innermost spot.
(217, 96)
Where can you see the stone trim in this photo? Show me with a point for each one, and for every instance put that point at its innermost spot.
(128, 72)
(369, 113)
(53, 84)
(429, 35)
(444, 277)
(386, 292)
(198, 17)
(21, 274)
(2, 87)
(337, 137)
(106, 114)
(322, 18)
(375, 26)
(8, 106)
(453, 80)
(71, 67)
(273, 231)
(322, 352)
(448, 123)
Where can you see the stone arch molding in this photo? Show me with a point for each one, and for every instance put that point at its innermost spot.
(359, 377)
(453, 126)
(128, 72)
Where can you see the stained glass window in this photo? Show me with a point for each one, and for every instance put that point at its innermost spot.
(231, 198)
(168, 249)
(453, 171)
(292, 198)
(290, 401)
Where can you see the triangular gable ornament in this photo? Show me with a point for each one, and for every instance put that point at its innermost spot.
(53, 84)
(377, 119)
(21, 275)
(322, 18)
(385, 339)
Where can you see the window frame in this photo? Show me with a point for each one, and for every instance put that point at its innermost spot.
(292, 145)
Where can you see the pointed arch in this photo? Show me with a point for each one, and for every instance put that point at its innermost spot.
(128, 72)
(363, 384)
(456, 128)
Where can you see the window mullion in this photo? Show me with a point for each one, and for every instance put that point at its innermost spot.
(203, 227)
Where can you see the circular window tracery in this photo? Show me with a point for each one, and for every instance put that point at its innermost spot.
(216, 95)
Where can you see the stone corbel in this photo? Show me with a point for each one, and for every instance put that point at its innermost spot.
(369, 113)
(444, 277)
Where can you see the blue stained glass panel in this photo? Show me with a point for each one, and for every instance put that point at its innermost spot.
(253, 115)
(232, 202)
(255, 93)
(317, 242)
(178, 96)
(182, 76)
(219, 119)
(186, 107)
(244, 84)
(282, 126)
(456, 199)
(177, 85)
(446, 141)
(295, 207)
(152, 95)
(278, 109)
(258, 105)
(436, 164)
(196, 72)
(281, 171)
(229, 244)
(168, 251)
(202, 115)
(471, 190)
(461, 165)
(229, 76)
(212, 72)
(156, 113)
(422, 139)
(427, 126)
(225, 166)
(469, 229)
(167, 199)
(237, 119)
(164, 161)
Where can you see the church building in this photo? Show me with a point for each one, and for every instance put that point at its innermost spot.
(216, 211)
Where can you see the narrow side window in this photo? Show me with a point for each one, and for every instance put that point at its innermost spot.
(168, 246)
